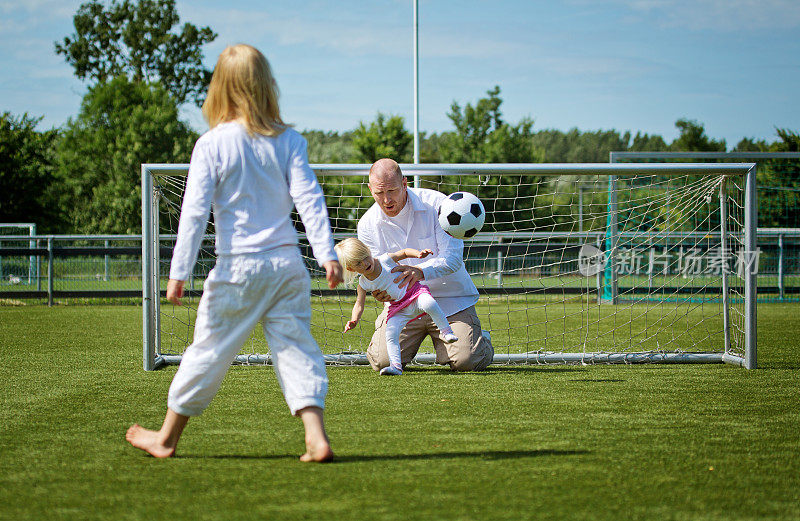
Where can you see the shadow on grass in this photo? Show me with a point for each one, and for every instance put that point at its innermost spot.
(533, 369)
(788, 365)
(481, 455)
(597, 380)
(523, 369)
(491, 455)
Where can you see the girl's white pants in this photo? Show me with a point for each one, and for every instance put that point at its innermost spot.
(272, 287)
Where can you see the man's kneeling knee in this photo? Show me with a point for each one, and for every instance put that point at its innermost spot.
(463, 365)
(470, 362)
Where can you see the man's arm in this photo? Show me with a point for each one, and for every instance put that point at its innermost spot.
(449, 260)
(450, 251)
(408, 275)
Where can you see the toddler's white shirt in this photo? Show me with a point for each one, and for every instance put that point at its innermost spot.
(384, 281)
(252, 184)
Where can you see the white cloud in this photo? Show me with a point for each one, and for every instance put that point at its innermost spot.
(350, 34)
(721, 15)
(448, 44)
(40, 8)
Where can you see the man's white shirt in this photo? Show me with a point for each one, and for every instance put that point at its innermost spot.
(444, 271)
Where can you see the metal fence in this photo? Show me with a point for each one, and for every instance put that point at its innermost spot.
(53, 267)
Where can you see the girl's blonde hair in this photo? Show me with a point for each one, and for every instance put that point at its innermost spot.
(350, 251)
(243, 88)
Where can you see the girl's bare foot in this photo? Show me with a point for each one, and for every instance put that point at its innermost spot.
(148, 441)
(318, 448)
(318, 451)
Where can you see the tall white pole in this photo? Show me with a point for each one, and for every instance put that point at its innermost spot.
(416, 89)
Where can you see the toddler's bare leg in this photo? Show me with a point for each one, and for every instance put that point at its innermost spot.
(161, 443)
(318, 448)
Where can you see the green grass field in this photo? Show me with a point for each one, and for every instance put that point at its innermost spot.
(565, 442)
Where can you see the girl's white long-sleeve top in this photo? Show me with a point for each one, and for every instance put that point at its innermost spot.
(251, 182)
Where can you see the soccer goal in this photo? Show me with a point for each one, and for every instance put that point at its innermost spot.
(18, 270)
(656, 264)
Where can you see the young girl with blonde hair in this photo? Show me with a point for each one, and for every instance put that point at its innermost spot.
(251, 168)
(408, 304)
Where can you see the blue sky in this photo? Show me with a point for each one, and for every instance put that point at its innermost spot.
(639, 65)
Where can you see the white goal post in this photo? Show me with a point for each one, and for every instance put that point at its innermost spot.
(657, 264)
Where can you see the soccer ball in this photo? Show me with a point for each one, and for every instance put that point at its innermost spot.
(461, 215)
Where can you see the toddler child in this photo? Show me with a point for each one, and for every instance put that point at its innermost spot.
(408, 303)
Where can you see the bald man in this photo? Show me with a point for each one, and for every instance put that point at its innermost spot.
(404, 217)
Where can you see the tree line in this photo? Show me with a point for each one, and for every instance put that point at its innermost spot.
(141, 65)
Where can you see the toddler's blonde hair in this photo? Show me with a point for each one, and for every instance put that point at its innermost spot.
(351, 251)
(243, 88)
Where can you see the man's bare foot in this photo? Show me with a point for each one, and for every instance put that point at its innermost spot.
(148, 441)
(317, 452)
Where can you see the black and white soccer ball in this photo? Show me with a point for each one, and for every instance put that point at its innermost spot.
(461, 215)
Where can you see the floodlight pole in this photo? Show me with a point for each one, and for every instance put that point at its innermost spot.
(416, 90)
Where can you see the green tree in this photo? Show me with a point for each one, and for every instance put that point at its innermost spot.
(779, 184)
(554, 144)
(329, 147)
(26, 173)
(780, 172)
(648, 143)
(481, 135)
(136, 39)
(121, 125)
(789, 141)
(343, 197)
(430, 146)
(385, 137)
(693, 138)
(579, 147)
(751, 145)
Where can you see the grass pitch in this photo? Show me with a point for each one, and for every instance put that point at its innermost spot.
(564, 442)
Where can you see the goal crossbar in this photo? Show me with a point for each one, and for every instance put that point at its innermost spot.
(588, 169)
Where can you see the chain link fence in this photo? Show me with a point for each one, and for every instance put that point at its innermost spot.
(95, 268)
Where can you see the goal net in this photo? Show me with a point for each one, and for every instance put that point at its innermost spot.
(576, 263)
(778, 212)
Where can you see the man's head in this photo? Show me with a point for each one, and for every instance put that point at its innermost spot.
(388, 186)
